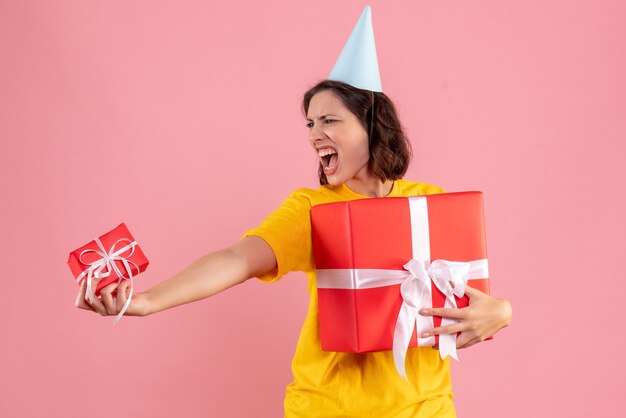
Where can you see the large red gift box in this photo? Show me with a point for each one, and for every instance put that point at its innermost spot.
(362, 249)
(113, 256)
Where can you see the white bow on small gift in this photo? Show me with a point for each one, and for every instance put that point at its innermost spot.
(103, 266)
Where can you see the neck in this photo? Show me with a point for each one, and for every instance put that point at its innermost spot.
(372, 188)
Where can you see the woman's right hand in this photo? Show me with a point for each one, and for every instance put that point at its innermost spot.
(112, 299)
(207, 276)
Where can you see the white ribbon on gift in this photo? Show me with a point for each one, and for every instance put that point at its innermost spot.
(103, 266)
(450, 277)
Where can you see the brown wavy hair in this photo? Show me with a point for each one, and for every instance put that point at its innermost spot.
(390, 150)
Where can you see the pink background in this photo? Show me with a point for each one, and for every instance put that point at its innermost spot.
(182, 119)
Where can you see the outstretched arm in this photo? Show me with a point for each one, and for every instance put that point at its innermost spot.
(207, 276)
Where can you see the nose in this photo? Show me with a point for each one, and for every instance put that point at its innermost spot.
(315, 133)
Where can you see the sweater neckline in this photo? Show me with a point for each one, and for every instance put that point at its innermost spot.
(345, 190)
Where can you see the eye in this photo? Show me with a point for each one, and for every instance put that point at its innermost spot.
(309, 125)
(327, 121)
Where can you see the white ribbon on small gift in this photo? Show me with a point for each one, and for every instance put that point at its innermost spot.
(103, 266)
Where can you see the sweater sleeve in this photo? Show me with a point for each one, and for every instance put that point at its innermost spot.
(287, 230)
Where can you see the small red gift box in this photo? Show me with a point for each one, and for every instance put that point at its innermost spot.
(111, 257)
(380, 260)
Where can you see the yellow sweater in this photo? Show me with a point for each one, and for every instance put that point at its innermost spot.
(331, 384)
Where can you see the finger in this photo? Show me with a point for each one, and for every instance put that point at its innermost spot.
(80, 299)
(448, 329)
(107, 298)
(121, 295)
(470, 343)
(465, 338)
(94, 286)
(96, 304)
(445, 312)
(473, 293)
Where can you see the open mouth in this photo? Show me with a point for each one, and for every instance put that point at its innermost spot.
(328, 157)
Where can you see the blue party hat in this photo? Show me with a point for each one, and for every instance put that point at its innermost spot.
(357, 64)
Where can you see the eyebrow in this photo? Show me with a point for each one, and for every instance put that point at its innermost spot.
(324, 116)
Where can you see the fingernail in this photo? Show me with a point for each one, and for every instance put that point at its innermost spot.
(423, 312)
(426, 335)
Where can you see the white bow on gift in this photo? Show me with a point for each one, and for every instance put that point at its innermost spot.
(450, 277)
(103, 266)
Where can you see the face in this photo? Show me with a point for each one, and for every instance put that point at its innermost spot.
(338, 138)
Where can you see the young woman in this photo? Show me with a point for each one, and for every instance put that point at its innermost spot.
(363, 152)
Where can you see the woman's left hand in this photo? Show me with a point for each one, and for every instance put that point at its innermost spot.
(484, 316)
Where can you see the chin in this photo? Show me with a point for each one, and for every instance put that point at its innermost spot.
(334, 180)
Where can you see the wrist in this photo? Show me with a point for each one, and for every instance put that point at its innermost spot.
(506, 312)
(149, 305)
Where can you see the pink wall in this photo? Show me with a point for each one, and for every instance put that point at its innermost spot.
(163, 114)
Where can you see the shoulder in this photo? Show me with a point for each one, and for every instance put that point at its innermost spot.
(313, 197)
(415, 188)
(303, 195)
